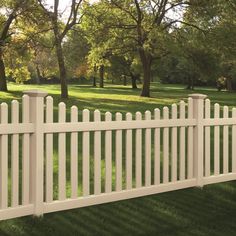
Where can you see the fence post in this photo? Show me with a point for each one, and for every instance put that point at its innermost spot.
(198, 137)
(36, 110)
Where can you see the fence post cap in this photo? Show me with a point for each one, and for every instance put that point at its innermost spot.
(197, 96)
(35, 93)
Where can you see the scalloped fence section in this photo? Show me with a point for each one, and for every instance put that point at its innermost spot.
(51, 162)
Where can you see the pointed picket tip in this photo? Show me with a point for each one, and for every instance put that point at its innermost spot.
(226, 111)
(166, 109)
(174, 111)
(234, 111)
(118, 116)
(14, 102)
(97, 111)
(138, 115)
(107, 113)
(49, 98)
(74, 114)
(148, 115)
(86, 115)
(108, 116)
(4, 105)
(174, 106)
(74, 108)
(62, 104)
(25, 96)
(128, 116)
(97, 115)
(74, 111)
(165, 112)
(157, 113)
(86, 111)
(4, 113)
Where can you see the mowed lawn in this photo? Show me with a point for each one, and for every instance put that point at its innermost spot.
(207, 211)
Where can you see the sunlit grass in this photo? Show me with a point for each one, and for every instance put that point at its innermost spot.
(207, 211)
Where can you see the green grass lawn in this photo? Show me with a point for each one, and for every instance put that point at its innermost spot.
(207, 211)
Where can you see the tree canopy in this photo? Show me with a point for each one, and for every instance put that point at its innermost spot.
(118, 41)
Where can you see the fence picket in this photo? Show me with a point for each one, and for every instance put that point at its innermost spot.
(165, 147)
(128, 154)
(108, 156)
(147, 151)
(4, 160)
(85, 156)
(226, 143)
(157, 149)
(25, 152)
(15, 156)
(174, 146)
(216, 141)
(62, 153)
(118, 155)
(182, 142)
(233, 142)
(49, 151)
(190, 140)
(97, 155)
(207, 139)
(74, 155)
(138, 154)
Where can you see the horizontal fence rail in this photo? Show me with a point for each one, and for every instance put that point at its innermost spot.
(116, 125)
(86, 158)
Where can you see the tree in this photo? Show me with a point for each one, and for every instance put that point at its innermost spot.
(148, 21)
(111, 48)
(60, 30)
(218, 17)
(12, 9)
(76, 49)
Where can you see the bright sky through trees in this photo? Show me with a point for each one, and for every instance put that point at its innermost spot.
(63, 4)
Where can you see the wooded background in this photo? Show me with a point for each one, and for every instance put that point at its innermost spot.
(132, 42)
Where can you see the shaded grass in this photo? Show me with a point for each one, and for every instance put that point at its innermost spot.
(207, 211)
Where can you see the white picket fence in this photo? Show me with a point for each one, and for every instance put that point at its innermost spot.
(48, 165)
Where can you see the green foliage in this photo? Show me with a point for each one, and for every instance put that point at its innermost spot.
(193, 42)
(76, 49)
(20, 73)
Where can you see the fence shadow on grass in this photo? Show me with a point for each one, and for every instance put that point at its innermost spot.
(207, 211)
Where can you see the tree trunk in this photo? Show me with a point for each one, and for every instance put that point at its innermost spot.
(192, 83)
(38, 75)
(94, 81)
(3, 80)
(62, 71)
(60, 59)
(133, 81)
(125, 80)
(101, 74)
(229, 84)
(3, 37)
(152, 78)
(146, 64)
(189, 85)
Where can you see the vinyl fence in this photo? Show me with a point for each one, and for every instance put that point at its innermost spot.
(83, 159)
